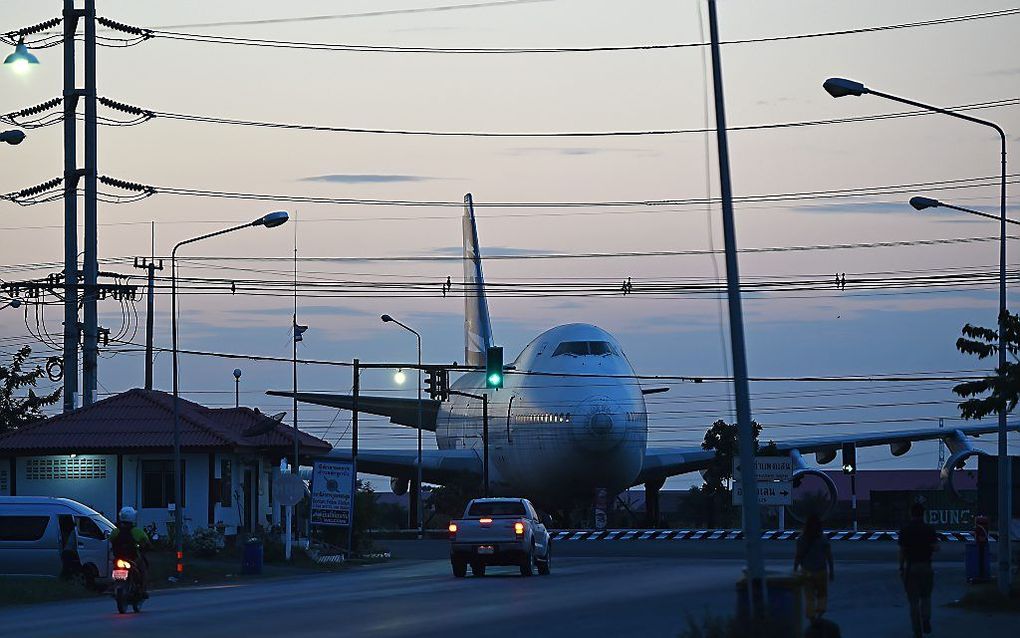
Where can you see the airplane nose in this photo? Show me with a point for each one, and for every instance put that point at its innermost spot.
(601, 425)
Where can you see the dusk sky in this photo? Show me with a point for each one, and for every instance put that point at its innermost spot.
(809, 332)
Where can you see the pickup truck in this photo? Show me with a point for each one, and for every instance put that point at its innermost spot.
(500, 531)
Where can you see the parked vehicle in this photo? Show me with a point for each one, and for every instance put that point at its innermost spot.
(500, 531)
(47, 536)
(127, 586)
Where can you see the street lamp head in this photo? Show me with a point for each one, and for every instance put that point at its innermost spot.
(272, 220)
(920, 203)
(13, 137)
(386, 318)
(840, 87)
(21, 59)
(237, 373)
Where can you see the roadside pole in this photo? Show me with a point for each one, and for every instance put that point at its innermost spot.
(354, 451)
(745, 438)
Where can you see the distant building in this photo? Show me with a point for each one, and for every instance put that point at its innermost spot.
(119, 451)
(869, 481)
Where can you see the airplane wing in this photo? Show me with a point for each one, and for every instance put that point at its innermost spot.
(400, 411)
(660, 464)
(437, 466)
(897, 439)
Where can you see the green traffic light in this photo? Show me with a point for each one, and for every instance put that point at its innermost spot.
(494, 380)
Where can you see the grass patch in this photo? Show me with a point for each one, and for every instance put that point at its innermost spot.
(226, 567)
(27, 590)
(986, 597)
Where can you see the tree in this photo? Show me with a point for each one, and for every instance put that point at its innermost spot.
(722, 437)
(15, 411)
(1002, 391)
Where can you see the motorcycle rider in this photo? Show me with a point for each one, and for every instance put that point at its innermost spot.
(127, 543)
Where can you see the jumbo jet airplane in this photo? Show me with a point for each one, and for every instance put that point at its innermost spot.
(571, 418)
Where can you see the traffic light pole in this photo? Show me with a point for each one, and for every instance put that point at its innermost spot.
(485, 435)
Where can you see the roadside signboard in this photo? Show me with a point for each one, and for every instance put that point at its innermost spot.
(332, 493)
(774, 476)
(289, 490)
(768, 468)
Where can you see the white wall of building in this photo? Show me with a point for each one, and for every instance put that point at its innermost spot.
(90, 479)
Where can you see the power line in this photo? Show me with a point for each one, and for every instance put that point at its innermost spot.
(366, 48)
(208, 119)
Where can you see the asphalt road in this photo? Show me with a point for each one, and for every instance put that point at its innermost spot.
(648, 593)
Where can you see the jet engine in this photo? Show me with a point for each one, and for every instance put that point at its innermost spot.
(399, 486)
(960, 450)
(800, 471)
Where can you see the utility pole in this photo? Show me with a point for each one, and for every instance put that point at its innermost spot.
(71, 328)
(151, 266)
(745, 437)
(90, 351)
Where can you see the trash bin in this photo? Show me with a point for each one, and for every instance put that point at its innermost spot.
(251, 557)
(785, 603)
(978, 562)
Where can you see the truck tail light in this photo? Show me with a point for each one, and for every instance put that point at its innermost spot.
(453, 531)
(519, 528)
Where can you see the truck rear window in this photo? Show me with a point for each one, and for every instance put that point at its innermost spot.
(497, 508)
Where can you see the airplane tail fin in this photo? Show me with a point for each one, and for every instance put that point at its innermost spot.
(477, 329)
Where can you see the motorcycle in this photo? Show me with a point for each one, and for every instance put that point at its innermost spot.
(127, 586)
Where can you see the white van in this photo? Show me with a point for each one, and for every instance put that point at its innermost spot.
(35, 529)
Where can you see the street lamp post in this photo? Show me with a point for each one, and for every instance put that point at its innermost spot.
(12, 137)
(419, 511)
(237, 387)
(270, 220)
(841, 87)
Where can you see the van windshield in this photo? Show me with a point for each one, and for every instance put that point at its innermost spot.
(496, 508)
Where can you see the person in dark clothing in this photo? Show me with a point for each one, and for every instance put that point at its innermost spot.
(918, 541)
(70, 562)
(814, 557)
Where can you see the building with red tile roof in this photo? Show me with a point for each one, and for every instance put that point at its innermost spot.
(119, 451)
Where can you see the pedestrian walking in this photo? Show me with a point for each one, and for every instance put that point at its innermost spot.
(814, 559)
(918, 541)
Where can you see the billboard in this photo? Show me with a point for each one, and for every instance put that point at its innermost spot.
(332, 493)
(944, 510)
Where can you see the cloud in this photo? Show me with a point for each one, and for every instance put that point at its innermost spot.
(490, 251)
(1008, 72)
(574, 151)
(354, 178)
(883, 208)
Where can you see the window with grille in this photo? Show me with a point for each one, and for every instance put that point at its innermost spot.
(67, 468)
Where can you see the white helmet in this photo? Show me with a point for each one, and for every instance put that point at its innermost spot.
(127, 515)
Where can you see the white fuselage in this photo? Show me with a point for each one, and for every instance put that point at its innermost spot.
(555, 428)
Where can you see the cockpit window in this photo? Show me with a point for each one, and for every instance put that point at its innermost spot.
(584, 348)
